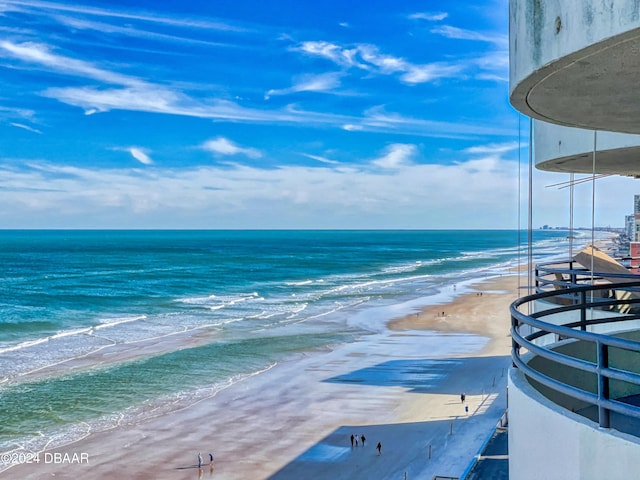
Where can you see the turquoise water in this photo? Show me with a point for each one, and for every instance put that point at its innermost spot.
(252, 298)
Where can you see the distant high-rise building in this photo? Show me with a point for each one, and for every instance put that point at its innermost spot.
(634, 245)
(629, 225)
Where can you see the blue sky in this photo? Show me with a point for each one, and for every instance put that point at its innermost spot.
(278, 114)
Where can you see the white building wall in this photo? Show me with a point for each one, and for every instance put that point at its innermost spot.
(551, 443)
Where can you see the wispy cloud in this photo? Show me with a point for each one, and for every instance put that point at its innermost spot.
(224, 146)
(431, 17)
(310, 83)
(41, 54)
(379, 118)
(430, 72)
(321, 159)
(144, 98)
(141, 155)
(396, 155)
(491, 77)
(175, 21)
(125, 92)
(130, 31)
(368, 57)
(157, 99)
(492, 148)
(462, 34)
(22, 113)
(25, 127)
(494, 66)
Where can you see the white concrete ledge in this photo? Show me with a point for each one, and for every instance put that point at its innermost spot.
(550, 442)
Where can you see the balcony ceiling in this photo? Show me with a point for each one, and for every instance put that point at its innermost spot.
(623, 161)
(594, 88)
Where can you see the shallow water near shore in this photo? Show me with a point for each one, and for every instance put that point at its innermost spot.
(252, 299)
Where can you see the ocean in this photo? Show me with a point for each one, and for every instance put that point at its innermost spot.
(104, 328)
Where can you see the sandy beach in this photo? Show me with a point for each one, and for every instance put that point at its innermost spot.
(400, 387)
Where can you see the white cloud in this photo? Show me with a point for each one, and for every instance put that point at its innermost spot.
(478, 193)
(157, 99)
(310, 83)
(23, 113)
(432, 17)
(141, 155)
(462, 34)
(378, 119)
(129, 31)
(494, 66)
(146, 99)
(492, 77)
(173, 20)
(493, 148)
(396, 155)
(41, 54)
(26, 127)
(224, 146)
(131, 93)
(321, 159)
(386, 63)
(134, 94)
(428, 73)
(329, 51)
(368, 57)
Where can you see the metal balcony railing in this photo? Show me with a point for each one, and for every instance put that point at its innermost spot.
(594, 374)
(568, 273)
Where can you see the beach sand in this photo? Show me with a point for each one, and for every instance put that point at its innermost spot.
(400, 387)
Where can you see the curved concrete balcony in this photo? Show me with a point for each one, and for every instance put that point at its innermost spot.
(594, 375)
(574, 394)
(576, 63)
(566, 149)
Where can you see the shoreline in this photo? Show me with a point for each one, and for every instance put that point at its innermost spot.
(464, 312)
(400, 386)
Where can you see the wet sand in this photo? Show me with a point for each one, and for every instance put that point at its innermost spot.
(400, 387)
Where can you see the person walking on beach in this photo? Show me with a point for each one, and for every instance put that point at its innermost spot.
(211, 458)
(199, 460)
(462, 397)
(363, 439)
(352, 437)
(379, 448)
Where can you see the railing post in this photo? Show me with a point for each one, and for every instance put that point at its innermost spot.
(583, 310)
(603, 384)
(515, 347)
